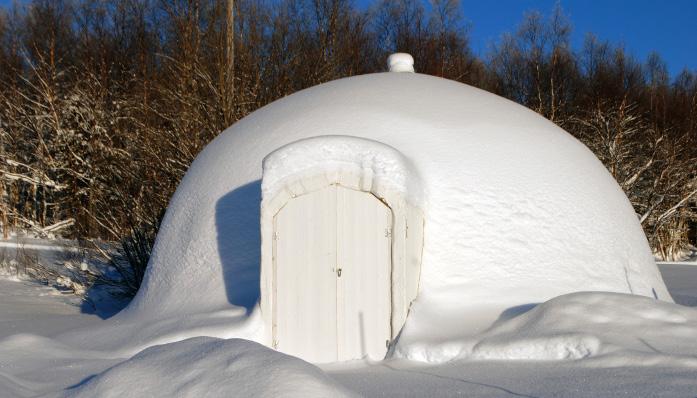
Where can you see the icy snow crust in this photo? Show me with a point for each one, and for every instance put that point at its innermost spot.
(516, 211)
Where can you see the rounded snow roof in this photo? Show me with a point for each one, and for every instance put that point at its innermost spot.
(516, 210)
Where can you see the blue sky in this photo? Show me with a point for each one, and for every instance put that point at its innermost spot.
(668, 26)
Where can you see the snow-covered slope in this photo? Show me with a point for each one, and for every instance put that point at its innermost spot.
(516, 210)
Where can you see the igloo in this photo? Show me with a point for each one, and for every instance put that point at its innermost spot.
(389, 210)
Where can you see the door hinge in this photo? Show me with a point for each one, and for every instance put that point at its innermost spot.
(275, 236)
(338, 272)
(388, 232)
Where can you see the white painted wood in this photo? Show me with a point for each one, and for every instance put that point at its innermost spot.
(332, 276)
(305, 277)
(363, 288)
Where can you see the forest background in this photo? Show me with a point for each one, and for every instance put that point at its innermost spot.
(105, 103)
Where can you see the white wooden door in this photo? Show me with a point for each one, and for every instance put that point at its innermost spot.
(332, 251)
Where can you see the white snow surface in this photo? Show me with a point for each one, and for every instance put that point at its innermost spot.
(580, 344)
(621, 329)
(517, 211)
(209, 367)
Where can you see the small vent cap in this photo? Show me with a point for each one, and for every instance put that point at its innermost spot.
(400, 62)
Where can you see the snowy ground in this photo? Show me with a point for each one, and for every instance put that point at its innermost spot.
(658, 358)
(519, 379)
(619, 373)
(28, 307)
(680, 278)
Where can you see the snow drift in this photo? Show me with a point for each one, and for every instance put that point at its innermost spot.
(516, 210)
(614, 329)
(207, 367)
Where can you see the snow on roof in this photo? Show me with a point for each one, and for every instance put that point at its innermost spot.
(387, 170)
(517, 211)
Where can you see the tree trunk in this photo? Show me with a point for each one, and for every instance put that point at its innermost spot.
(230, 63)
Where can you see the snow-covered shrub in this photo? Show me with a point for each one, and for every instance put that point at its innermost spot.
(129, 259)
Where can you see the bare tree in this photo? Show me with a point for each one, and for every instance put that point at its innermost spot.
(652, 166)
(105, 103)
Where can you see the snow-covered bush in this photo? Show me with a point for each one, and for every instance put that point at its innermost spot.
(121, 265)
(131, 257)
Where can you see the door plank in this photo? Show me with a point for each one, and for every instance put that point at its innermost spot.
(363, 290)
(305, 277)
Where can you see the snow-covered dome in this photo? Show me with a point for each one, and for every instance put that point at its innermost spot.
(516, 210)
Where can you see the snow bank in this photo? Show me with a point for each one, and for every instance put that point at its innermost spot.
(208, 367)
(32, 365)
(516, 210)
(615, 329)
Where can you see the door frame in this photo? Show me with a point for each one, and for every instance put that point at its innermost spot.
(407, 239)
